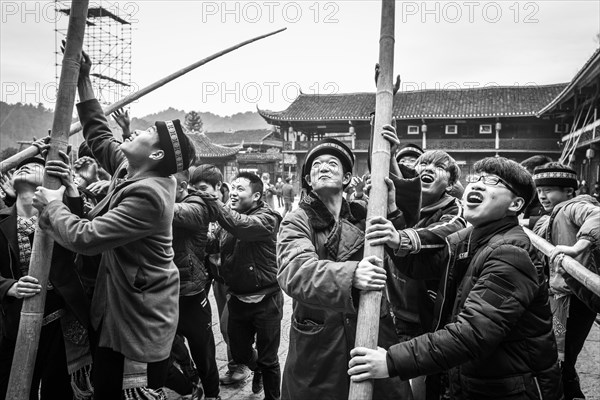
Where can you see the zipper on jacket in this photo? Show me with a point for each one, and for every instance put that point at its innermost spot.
(537, 385)
(446, 279)
(437, 326)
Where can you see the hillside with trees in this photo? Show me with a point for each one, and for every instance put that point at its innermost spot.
(21, 122)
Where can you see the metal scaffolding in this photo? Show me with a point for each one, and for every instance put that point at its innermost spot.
(108, 43)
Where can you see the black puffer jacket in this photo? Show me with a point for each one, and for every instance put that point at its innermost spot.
(247, 246)
(498, 340)
(190, 227)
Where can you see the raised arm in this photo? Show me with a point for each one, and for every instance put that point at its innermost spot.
(127, 222)
(251, 228)
(97, 134)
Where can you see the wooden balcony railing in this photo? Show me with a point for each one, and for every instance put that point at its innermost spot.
(458, 144)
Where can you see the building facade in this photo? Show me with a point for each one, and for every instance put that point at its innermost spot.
(576, 111)
(468, 123)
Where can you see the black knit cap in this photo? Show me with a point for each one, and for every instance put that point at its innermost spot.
(333, 147)
(409, 149)
(561, 176)
(174, 144)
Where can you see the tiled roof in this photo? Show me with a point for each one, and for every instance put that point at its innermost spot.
(250, 137)
(501, 101)
(206, 149)
(589, 70)
(258, 157)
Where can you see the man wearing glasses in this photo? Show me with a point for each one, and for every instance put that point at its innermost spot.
(492, 316)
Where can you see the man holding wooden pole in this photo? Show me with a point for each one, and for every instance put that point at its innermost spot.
(32, 311)
(135, 303)
(493, 320)
(322, 267)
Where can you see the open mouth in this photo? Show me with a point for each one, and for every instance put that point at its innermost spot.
(474, 198)
(427, 178)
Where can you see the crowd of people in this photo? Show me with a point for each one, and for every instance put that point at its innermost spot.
(470, 308)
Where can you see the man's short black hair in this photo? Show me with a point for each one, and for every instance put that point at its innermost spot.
(440, 156)
(535, 161)
(288, 180)
(256, 183)
(513, 173)
(208, 173)
(183, 176)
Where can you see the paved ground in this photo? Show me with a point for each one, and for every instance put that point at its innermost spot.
(588, 364)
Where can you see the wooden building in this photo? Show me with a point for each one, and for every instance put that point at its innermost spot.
(468, 123)
(223, 157)
(260, 150)
(575, 111)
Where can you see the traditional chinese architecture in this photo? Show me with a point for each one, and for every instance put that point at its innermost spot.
(261, 150)
(575, 113)
(223, 157)
(468, 123)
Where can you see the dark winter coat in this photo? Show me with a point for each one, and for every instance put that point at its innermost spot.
(190, 228)
(247, 248)
(136, 299)
(498, 341)
(63, 276)
(317, 259)
(412, 300)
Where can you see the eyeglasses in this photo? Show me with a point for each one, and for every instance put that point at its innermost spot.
(490, 180)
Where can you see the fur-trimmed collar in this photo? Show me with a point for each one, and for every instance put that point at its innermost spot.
(321, 218)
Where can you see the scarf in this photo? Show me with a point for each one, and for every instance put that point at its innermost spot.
(25, 228)
(75, 335)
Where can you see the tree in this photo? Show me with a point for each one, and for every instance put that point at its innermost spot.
(193, 122)
(8, 152)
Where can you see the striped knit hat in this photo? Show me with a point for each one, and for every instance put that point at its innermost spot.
(555, 175)
(174, 143)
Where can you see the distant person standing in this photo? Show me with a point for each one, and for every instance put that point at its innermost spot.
(288, 194)
(268, 190)
(278, 192)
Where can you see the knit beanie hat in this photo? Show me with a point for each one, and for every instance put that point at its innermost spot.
(555, 175)
(328, 146)
(333, 147)
(175, 145)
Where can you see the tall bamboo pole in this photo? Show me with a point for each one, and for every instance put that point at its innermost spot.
(368, 310)
(31, 151)
(587, 278)
(32, 312)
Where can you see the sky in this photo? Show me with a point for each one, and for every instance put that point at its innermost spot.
(328, 47)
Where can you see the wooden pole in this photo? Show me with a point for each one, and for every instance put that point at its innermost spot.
(13, 161)
(589, 279)
(32, 312)
(368, 310)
